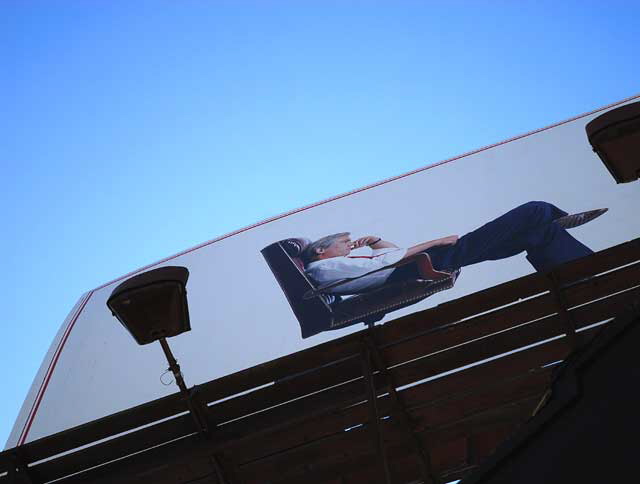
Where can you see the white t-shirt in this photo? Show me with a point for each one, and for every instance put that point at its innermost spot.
(330, 270)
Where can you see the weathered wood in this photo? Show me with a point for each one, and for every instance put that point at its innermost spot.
(468, 380)
(404, 374)
(441, 417)
(399, 411)
(602, 261)
(447, 453)
(310, 395)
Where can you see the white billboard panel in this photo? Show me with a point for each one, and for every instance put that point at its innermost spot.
(247, 307)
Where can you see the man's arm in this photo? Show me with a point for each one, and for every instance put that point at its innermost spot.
(450, 240)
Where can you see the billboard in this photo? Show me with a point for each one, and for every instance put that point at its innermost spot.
(368, 256)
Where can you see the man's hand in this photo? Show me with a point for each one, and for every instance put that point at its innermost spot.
(364, 241)
(452, 239)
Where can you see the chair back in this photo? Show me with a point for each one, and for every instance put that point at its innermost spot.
(314, 314)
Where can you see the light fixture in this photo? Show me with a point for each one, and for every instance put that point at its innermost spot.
(153, 306)
(615, 137)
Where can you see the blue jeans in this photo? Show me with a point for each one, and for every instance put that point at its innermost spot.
(527, 228)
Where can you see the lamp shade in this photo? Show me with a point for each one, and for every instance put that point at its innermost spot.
(615, 137)
(153, 305)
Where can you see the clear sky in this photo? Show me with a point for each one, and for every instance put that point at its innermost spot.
(130, 131)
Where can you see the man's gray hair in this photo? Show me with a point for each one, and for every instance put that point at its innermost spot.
(309, 254)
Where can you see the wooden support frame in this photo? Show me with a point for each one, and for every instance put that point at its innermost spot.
(304, 417)
(563, 313)
(399, 409)
(374, 415)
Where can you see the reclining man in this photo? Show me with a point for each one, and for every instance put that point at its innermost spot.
(537, 228)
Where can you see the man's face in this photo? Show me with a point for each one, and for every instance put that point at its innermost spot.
(340, 247)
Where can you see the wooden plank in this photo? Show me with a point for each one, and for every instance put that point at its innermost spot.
(113, 449)
(403, 375)
(346, 469)
(514, 412)
(501, 370)
(524, 411)
(603, 285)
(465, 379)
(474, 328)
(454, 451)
(555, 350)
(464, 405)
(602, 261)
(42, 476)
(460, 420)
(463, 307)
(304, 463)
(136, 468)
(445, 412)
(605, 308)
(448, 357)
(104, 427)
(193, 448)
(350, 368)
(359, 461)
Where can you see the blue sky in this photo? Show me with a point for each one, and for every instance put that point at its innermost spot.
(133, 130)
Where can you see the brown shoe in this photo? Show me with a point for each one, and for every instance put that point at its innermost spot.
(573, 220)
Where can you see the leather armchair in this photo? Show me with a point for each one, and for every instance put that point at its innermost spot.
(318, 310)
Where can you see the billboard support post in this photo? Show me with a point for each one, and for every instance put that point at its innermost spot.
(398, 409)
(198, 414)
(374, 416)
(561, 303)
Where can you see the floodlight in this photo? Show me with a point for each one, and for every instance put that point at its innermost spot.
(153, 305)
(615, 137)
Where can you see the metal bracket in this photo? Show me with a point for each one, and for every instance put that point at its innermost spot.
(198, 411)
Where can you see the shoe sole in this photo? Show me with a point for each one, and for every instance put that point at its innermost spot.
(577, 219)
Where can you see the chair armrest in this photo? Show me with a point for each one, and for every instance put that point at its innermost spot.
(422, 259)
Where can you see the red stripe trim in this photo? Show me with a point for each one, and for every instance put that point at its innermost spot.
(367, 187)
(52, 365)
(291, 212)
(75, 313)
